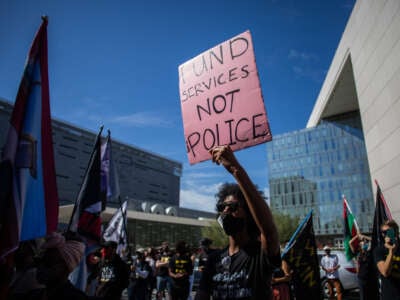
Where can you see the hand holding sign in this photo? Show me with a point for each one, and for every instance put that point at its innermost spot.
(221, 99)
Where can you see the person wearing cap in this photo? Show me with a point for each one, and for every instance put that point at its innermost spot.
(113, 275)
(58, 259)
(330, 264)
(242, 270)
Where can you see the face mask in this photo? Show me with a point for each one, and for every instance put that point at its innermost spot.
(365, 247)
(230, 224)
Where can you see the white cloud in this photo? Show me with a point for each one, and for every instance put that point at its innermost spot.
(304, 56)
(142, 119)
(198, 200)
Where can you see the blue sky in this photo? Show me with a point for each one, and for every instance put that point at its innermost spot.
(115, 63)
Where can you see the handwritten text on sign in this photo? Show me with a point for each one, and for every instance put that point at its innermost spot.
(221, 99)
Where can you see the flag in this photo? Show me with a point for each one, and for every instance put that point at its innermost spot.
(28, 197)
(350, 230)
(116, 229)
(91, 200)
(301, 255)
(381, 215)
(109, 171)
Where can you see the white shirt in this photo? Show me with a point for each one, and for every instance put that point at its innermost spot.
(330, 262)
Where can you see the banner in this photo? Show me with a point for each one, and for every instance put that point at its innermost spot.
(221, 99)
(301, 255)
(28, 197)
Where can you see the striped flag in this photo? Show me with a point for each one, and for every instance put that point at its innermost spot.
(351, 229)
(28, 197)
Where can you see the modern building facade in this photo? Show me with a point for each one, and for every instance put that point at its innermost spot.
(311, 169)
(364, 76)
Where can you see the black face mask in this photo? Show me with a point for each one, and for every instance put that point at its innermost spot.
(230, 224)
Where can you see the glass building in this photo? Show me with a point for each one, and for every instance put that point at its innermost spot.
(314, 168)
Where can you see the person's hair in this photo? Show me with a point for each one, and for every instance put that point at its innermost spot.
(392, 224)
(233, 189)
(180, 247)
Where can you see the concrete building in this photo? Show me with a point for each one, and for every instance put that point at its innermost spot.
(364, 76)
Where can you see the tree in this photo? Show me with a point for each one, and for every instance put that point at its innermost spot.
(216, 234)
(286, 225)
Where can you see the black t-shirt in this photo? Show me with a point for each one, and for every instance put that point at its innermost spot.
(244, 275)
(181, 264)
(365, 265)
(163, 258)
(391, 284)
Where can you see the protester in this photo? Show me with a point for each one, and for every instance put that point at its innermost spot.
(281, 278)
(180, 268)
(113, 273)
(330, 264)
(139, 278)
(244, 268)
(149, 255)
(24, 284)
(205, 251)
(387, 259)
(59, 258)
(162, 264)
(365, 267)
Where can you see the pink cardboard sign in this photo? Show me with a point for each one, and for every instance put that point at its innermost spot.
(221, 99)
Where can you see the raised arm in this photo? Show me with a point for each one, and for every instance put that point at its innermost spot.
(258, 207)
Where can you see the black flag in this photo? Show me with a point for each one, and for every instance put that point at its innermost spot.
(301, 255)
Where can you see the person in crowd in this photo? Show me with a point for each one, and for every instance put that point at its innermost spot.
(162, 264)
(24, 284)
(361, 246)
(281, 278)
(58, 259)
(330, 264)
(243, 270)
(113, 275)
(387, 259)
(149, 255)
(205, 251)
(139, 278)
(180, 268)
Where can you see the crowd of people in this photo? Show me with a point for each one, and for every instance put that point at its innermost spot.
(249, 267)
(43, 268)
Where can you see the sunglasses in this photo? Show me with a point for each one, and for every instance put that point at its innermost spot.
(232, 206)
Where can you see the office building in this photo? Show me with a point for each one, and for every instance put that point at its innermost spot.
(311, 169)
(364, 76)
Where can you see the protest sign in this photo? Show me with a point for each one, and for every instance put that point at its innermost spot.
(221, 99)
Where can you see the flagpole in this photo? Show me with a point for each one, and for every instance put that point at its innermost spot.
(86, 172)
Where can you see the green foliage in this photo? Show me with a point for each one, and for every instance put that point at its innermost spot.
(286, 225)
(216, 234)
